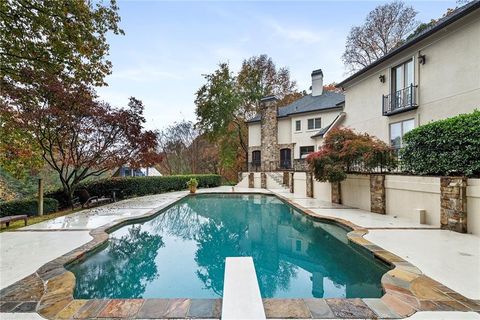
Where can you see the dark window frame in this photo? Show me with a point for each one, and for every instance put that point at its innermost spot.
(306, 152)
(313, 122)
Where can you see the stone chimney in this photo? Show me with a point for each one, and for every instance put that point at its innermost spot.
(317, 82)
(269, 132)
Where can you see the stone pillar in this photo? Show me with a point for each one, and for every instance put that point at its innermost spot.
(377, 193)
(250, 180)
(292, 182)
(309, 184)
(286, 176)
(453, 203)
(336, 192)
(263, 179)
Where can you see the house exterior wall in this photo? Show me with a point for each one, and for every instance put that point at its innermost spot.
(278, 133)
(356, 191)
(254, 134)
(473, 206)
(284, 131)
(448, 83)
(303, 137)
(405, 195)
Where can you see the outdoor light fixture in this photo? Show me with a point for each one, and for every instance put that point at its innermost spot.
(382, 78)
(421, 58)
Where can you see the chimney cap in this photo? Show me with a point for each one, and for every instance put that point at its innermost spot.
(268, 98)
(317, 72)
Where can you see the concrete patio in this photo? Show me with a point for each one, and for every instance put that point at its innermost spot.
(450, 258)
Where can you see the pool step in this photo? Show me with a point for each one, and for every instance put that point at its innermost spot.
(241, 294)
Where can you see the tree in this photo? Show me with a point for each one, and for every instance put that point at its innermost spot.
(226, 101)
(40, 39)
(179, 148)
(384, 29)
(80, 137)
(61, 37)
(345, 150)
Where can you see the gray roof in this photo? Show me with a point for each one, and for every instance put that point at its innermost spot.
(441, 23)
(325, 129)
(308, 103)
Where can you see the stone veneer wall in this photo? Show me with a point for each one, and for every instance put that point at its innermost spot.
(336, 192)
(453, 203)
(292, 182)
(269, 131)
(250, 180)
(309, 184)
(263, 179)
(377, 193)
(286, 178)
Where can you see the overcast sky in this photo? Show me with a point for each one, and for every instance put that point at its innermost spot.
(169, 45)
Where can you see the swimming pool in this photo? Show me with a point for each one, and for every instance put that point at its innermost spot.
(181, 253)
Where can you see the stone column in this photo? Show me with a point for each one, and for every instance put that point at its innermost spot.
(309, 184)
(453, 203)
(377, 193)
(263, 179)
(250, 180)
(336, 192)
(292, 182)
(286, 176)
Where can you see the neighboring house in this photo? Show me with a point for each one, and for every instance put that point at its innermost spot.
(126, 171)
(279, 138)
(433, 76)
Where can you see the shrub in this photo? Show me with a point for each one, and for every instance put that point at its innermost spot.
(27, 206)
(445, 147)
(344, 149)
(140, 186)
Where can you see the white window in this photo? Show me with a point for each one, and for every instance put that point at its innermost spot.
(314, 123)
(402, 76)
(304, 151)
(298, 125)
(397, 130)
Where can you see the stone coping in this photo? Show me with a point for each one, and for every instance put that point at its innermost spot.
(49, 291)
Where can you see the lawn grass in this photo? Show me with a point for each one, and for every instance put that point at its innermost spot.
(36, 219)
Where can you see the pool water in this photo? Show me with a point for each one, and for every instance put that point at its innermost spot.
(181, 253)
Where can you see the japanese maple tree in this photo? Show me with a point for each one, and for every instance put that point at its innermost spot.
(80, 136)
(343, 149)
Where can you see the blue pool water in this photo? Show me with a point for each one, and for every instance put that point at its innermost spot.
(181, 253)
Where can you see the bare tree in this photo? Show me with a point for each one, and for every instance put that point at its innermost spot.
(179, 148)
(384, 29)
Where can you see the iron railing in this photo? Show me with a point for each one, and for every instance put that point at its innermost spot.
(400, 101)
(283, 165)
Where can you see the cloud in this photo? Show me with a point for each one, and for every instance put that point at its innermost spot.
(294, 33)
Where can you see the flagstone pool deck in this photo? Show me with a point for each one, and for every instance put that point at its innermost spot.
(436, 270)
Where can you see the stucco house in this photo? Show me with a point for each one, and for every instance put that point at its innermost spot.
(433, 76)
(279, 138)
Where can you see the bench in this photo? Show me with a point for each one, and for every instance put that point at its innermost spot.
(6, 220)
(88, 201)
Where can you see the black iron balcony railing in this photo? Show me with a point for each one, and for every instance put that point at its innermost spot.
(400, 101)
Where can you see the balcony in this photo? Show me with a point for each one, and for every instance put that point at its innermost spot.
(400, 101)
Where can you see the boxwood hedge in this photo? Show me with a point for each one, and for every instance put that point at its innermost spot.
(27, 206)
(445, 147)
(128, 187)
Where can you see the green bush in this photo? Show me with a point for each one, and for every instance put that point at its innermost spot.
(139, 186)
(445, 147)
(27, 206)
